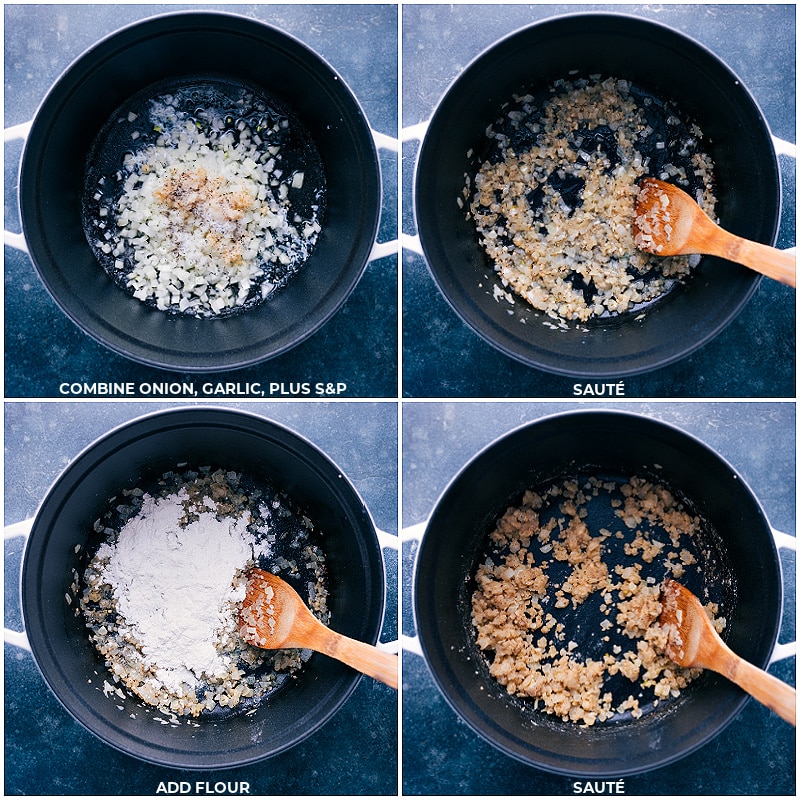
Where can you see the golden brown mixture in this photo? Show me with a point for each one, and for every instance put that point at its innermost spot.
(553, 199)
(517, 603)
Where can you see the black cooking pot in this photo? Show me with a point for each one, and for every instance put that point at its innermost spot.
(142, 451)
(172, 47)
(741, 563)
(661, 61)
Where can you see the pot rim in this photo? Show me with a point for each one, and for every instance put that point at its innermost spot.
(203, 407)
(209, 13)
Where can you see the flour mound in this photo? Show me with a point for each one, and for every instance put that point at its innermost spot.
(162, 593)
(177, 587)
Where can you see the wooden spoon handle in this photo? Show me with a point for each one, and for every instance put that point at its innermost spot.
(766, 688)
(364, 657)
(776, 264)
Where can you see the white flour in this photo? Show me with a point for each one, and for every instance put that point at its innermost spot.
(161, 596)
(175, 588)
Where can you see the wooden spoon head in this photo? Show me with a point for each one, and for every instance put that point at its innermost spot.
(269, 611)
(663, 219)
(273, 615)
(690, 634)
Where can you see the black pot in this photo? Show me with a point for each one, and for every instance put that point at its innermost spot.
(671, 66)
(744, 558)
(143, 450)
(187, 45)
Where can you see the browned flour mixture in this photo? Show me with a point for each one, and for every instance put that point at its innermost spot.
(516, 603)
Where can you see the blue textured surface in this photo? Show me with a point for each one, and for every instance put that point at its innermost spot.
(48, 753)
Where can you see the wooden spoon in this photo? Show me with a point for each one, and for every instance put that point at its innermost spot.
(273, 616)
(668, 222)
(694, 642)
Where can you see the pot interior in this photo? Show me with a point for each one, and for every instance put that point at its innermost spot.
(142, 451)
(185, 46)
(660, 61)
(743, 563)
(220, 107)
